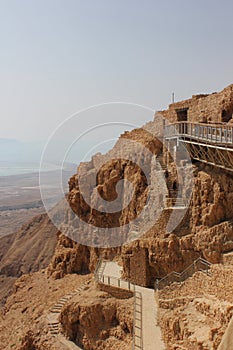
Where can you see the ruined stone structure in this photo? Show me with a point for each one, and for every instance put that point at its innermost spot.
(210, 108)
(204, 126)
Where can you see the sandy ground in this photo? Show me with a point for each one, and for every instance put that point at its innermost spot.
(29, 307)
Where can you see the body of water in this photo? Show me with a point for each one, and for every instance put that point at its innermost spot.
(10, 168)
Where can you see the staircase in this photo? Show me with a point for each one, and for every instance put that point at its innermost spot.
(198, 265)
(173, 201)
(54, 325)
(99, 270)
(161, 164)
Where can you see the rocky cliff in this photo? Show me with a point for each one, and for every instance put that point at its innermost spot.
(96, 320)
(195, 314)
(206, 229)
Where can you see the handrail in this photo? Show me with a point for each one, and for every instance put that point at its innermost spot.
(116, 282)
(198, 265)
(214, 133)
(137, 338)
(119, 283)
(97, 268)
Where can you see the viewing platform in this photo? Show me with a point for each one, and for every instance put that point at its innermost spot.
(207, 143)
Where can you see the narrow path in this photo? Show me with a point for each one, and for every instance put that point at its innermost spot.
(152, 337)
(54, 323)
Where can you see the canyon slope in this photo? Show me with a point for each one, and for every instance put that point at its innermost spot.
(206, 231)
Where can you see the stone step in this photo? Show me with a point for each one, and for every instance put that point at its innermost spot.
(54, 329)
(55, 311)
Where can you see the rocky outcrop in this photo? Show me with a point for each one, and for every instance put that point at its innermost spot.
(195, 314)
(227, 340)
(206, 229)
(204, 108)
(95, 320)
(28, 342)
(72, 257)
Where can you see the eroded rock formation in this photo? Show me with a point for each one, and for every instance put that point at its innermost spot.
(95, 320)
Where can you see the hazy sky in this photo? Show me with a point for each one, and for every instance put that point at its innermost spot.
(60, 56)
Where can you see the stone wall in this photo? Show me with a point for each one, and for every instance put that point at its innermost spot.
(195, 314)
(212, 108)
(115, 292)
(136, 266)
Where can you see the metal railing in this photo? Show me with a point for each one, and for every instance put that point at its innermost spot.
(198, 265)
(96, 272)
(117, 282)
(137, 333)
(176, 202)
(213, 133)
(126, 285)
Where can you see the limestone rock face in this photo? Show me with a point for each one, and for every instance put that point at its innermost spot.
(206, 229)
(95, 320)
(195, 314)
(28, 342)
(72, 257)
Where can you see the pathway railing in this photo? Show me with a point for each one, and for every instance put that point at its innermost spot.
(137, 334)
(126, 285)
(117, 282)
(198, 265)
(213, 133)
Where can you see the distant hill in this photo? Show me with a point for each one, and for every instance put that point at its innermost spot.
(28, 250)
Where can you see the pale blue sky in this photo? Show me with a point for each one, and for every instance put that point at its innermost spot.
(57, 57)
